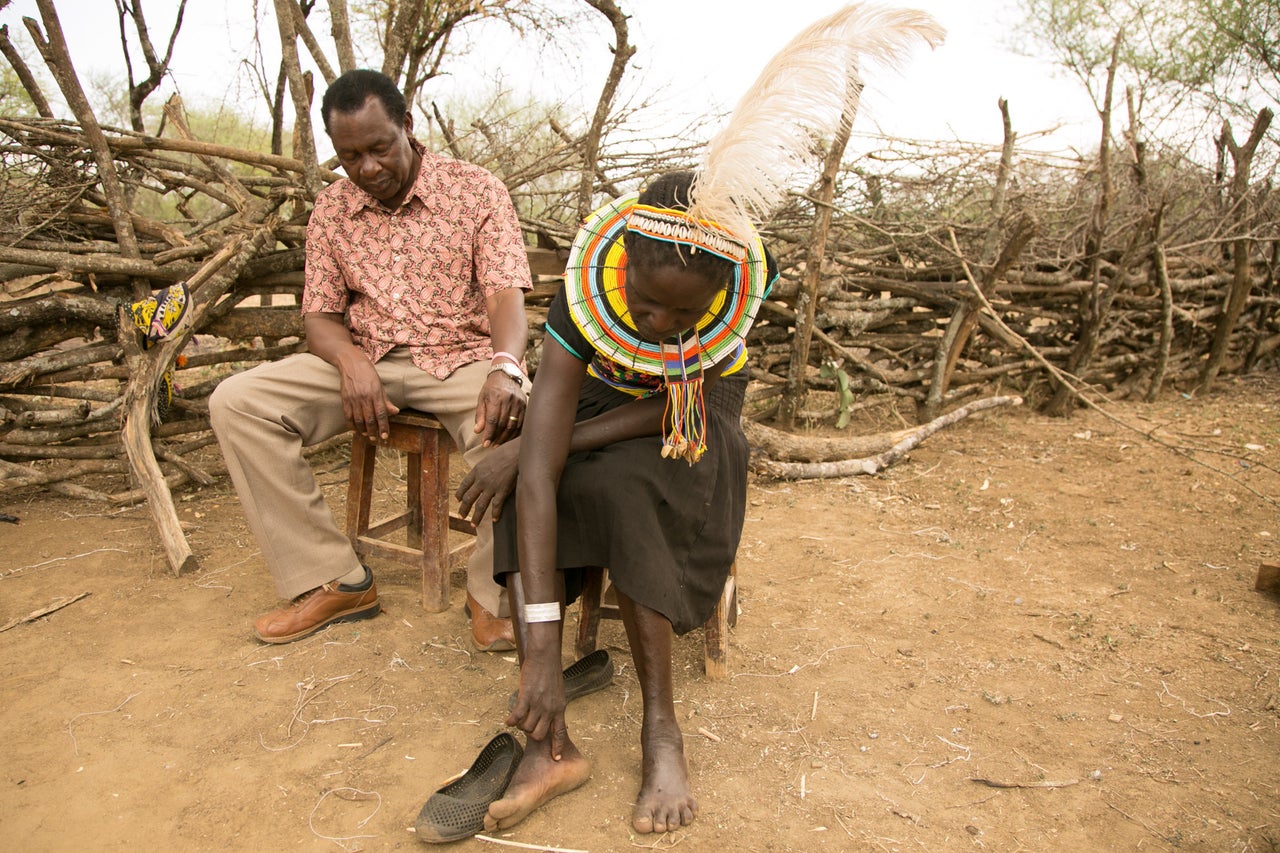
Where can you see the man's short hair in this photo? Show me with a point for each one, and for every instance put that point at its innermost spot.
(348, 93)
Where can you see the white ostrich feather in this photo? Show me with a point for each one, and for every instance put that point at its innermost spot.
(801, 93)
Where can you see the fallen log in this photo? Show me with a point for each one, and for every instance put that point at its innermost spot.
(777, 444)
(15, 373)
(876, 464)
(55, 308)
(19, 476)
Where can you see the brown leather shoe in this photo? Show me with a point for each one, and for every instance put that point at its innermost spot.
(489, 633)
(313, 610)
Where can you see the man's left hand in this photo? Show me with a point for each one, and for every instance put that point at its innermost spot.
(500, 411)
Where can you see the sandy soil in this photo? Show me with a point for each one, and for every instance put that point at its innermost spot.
(1034, 634)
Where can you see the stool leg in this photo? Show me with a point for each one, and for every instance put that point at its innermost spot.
(413, 497)
(589, 611)
(433, 498)
(716, 629)
(359, 488)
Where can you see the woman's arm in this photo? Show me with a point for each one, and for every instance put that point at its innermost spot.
(544, 446)
(489, 483)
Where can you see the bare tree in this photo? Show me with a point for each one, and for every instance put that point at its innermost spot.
(965, 318)
(58, 59)
(340, 29)
(402, 29)
(1242, 278)
(796, 386)
(20, 67)
(622, 53)
(300, 87)
(157, 67)
(1096, 305)
(301, 9)
(417, 38)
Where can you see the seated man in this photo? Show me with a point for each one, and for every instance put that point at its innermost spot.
(414, 297)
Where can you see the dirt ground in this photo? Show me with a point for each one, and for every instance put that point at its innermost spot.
(1033, 634)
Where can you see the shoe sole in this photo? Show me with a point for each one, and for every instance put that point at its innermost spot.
(495, 646)
(457, 810)
(368, 611)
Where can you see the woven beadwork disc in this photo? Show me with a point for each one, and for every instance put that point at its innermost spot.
(595, 278)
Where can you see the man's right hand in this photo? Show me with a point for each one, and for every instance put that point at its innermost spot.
(364, 400)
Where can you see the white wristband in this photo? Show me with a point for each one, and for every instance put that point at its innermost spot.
(546, 612)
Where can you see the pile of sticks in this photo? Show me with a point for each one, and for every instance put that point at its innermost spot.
(80, 394)
(953, 268)
(884, 326)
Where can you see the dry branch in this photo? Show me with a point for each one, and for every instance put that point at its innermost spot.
(1242, 275)
(997, 783)
(55, 606)
(775, 444)
(876, 464)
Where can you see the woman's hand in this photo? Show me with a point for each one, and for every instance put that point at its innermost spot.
(539, 710)
(490, 483)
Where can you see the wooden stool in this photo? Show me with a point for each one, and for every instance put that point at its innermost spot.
(426, 515)
(715, 630)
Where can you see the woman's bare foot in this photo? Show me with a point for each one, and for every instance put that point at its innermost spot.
(537, 780)
(666, 799)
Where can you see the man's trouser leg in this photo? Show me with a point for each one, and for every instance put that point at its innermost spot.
(263, 418)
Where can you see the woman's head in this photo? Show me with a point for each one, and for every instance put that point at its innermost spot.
(669, 285)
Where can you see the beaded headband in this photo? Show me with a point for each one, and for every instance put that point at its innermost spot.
(676, 226)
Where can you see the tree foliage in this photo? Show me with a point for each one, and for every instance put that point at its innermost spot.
(1180, 58)
(415, 39)
(1242, 46)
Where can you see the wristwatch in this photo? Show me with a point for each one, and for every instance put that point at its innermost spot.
(512, 370)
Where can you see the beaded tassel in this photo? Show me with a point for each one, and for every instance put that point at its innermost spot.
(684, 432)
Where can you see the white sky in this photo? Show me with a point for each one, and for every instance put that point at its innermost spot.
(695, 56)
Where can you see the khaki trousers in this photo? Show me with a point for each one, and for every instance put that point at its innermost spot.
(264, 417)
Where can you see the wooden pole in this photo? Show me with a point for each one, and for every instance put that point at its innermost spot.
(1242, 276)
(797, 385)
(965, 318)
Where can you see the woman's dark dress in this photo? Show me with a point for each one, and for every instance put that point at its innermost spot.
(666, 530)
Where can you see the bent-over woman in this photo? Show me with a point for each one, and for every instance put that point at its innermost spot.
(631, 458)
(631, 455)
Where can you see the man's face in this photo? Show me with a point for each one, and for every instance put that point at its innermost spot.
(375, 152)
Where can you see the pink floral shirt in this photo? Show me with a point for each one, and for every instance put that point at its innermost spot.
(417, 276)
